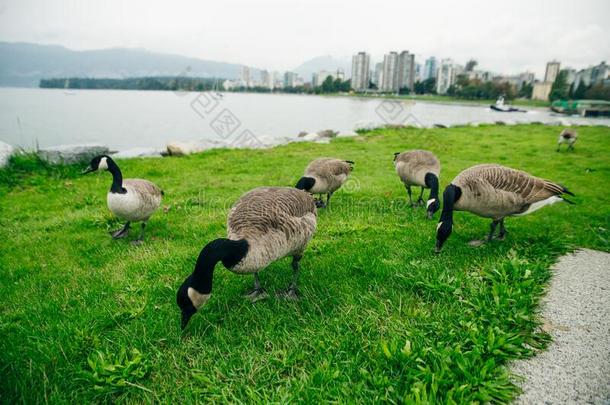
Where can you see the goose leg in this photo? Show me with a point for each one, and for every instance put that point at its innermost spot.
(492, 229)
(121, 233)
(141, 237)
(558, 145)
(257, 293)
(319, 202)
(328, 195)
(292, 292)
(420, 200)
(410, 198)
(502, 233)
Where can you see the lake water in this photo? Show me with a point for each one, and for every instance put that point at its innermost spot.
(127, 119)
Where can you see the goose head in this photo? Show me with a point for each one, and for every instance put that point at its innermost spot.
(98, 163)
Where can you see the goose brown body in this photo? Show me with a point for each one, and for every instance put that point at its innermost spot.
(495, 191)
(569, 136)
(329, 174)
(141, 199)
(412, 167)
(275, 221)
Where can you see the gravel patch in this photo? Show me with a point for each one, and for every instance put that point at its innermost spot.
(575, 369)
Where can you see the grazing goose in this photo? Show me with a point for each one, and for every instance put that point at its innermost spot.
(266, 224)
(569, 136)
(420, 168)
(495, 192)
(132, 200)
(325, 176)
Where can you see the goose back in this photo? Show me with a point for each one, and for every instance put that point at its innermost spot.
(496, 191)
(329, 173)
(276, 222)
(412, 166)
(568, 135)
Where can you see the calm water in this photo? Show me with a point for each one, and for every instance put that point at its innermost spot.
(127, 119)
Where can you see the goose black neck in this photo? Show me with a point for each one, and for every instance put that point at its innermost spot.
(432, 183)
(117, 177)
(451, 194)
(305, 183)
(230, 252)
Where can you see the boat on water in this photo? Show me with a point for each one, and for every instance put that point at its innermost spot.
(501, 106)
(584, 108)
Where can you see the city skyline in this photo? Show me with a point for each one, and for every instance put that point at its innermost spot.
(576, 34)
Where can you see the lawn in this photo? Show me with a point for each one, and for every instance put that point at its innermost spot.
(381, 318)
(435, 98)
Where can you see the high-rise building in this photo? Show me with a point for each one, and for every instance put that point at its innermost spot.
(266, 80)
(319, 77)
(290, 79)
(552, 70)
(446, 75)
(389, 82)
(245, 76)
(406, 71)
(361, 71)
(429, 68)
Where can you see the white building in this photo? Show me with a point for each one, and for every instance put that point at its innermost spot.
(266, 80)
(290, 79)
(446, 75)
(406, 71)
(552, 70)
(245, 76)
(389, 83)
(361, 71)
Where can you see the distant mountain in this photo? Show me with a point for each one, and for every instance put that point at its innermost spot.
(326, 62)
(24, 64)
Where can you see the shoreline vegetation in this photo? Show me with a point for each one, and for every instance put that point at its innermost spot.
(329, 88)
(382, 319)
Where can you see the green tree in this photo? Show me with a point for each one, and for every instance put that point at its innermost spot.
(328, 85)
(526, 90)
(580, 91)
(560, 88)
(599, 91)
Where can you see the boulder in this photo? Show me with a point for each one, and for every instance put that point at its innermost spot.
(6, 151)
(327, 133)
(137, 153)
(475, 124)
(70, 154)
(302, 134)
(440, 126)
(346, 134)
(366, 125)
(176, 148)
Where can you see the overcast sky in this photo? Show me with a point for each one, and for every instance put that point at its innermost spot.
(506, 37)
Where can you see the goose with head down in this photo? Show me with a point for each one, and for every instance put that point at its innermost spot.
(325, 176)
(494, 191)
(420, 168)
(265, 225)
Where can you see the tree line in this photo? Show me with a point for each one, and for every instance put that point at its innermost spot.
(139, 83)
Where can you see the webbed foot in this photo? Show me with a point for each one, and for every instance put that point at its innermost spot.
(477, 242)
(291, 293)
(120, 233)
(256, 294)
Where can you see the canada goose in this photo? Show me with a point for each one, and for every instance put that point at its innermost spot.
(264, 225)
(495, 192)
(420, 168)
(324, 176)
(132, 200)
(569, 136)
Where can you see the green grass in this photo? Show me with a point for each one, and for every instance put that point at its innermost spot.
(84, 318)
(435, 98)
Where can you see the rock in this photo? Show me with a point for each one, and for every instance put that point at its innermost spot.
(311, 137)
(475, 124)
(327, 133)
(186, 148)
(137, 153)
(70, 154)
(346, 134)
(500, 123)
(440, 126)
(302, 134)
(6, 151)
(510, 122)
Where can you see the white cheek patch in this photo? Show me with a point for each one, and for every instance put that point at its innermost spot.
(439, 225)
(103, 164)
(430, 201)
(197, 298)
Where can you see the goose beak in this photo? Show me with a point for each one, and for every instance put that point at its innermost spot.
(89, 169)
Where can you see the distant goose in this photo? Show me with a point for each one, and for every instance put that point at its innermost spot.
(420, 168)
(133, 200)
(569, 136)
(325, 176)
(495, 192)
(264, 225)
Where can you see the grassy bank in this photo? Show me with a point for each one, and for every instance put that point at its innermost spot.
(86, 318)
(451, 100)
